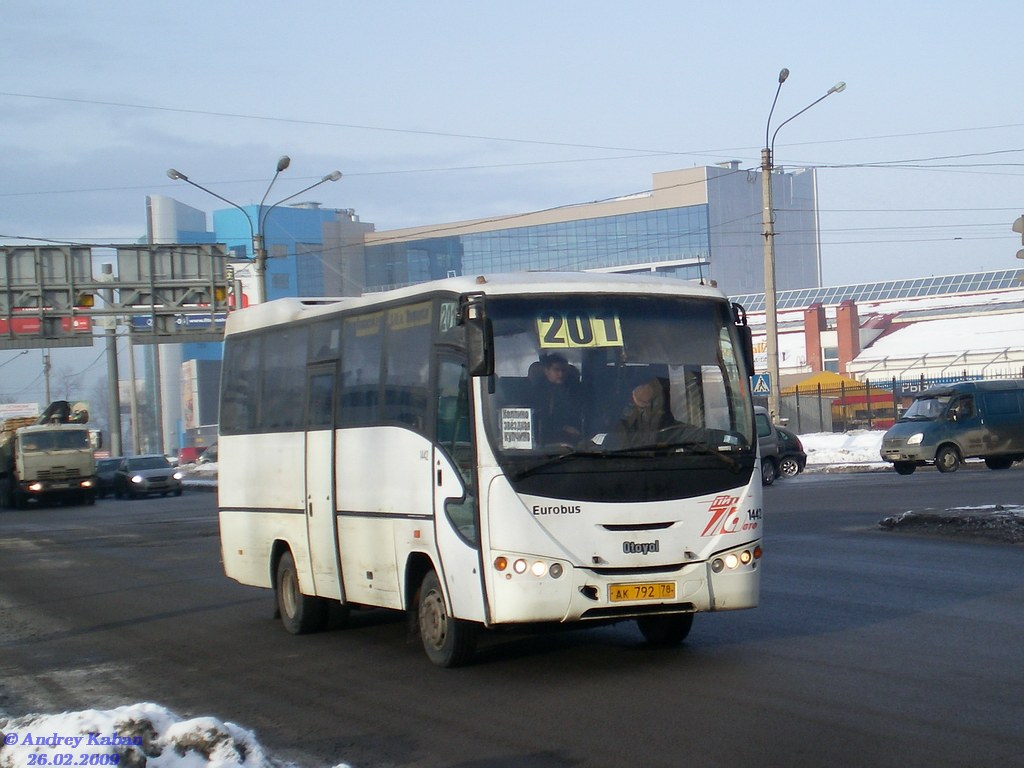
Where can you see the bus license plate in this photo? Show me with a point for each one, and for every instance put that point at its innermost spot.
(659, 590)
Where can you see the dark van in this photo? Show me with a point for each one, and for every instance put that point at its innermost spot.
(952, 422)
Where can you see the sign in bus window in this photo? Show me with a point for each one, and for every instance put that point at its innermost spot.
(516, 429)
(568, 330)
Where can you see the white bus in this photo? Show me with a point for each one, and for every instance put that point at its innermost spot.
(392, 451)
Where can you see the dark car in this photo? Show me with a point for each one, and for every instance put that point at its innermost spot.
(209, 456)
(106, 470)
(143, 475)
(792, 457)
(768, 443)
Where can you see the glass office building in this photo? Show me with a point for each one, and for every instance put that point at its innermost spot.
(675, 239)
(695, 223)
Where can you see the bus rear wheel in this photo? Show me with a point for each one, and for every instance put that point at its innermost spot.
(300, 613)
(447, 641)
(665, 630)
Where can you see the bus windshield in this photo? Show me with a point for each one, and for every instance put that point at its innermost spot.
(603, 376)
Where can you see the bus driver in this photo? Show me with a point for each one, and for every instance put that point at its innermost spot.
(556, 401)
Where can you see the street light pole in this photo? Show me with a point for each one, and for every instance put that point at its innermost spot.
(768, 223)
(259, 245)
(259, 250)
(256, 232)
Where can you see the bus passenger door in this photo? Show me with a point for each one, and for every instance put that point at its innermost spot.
(456, 516)
(321, 525)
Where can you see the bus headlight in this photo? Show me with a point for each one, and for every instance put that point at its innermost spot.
(521, 566)
(733, 560)
(915, 439)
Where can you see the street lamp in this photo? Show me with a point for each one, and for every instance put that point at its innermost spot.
(256, 232)
(768, 221)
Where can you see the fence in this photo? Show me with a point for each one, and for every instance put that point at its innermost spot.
(861, 405)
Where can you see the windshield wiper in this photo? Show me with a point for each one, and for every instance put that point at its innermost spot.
(559, 459)
(695, 447)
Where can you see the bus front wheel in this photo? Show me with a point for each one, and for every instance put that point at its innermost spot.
(300, 613)
(448, 642)
(665, 630)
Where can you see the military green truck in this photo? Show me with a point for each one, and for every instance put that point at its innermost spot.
(48, 459)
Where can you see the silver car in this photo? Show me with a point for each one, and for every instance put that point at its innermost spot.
(143, 475)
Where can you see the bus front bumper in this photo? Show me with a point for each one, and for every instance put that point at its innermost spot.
(533, 590)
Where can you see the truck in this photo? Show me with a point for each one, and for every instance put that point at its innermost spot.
(48, 459)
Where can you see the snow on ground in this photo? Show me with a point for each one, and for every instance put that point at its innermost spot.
(858, 451)
(136, 736)
(826, 450)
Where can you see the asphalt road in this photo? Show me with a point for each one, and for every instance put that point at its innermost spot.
(870, 648)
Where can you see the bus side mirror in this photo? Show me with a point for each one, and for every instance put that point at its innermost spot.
(747, 347)
(480, 346)
(479, 334)
(739, 319)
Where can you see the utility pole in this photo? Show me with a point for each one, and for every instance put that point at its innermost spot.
(133, 397)
(768, 223)
(46, 378)
(113, 376)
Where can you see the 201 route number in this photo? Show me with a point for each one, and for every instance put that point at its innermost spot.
(576, 329)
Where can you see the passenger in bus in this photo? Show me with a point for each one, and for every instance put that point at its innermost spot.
(556, 400)
(645, 416)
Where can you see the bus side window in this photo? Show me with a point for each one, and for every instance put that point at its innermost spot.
(285, 354)
(320, 394)
(407, 367)
(360, 370)
(453, 435)
(240, 398)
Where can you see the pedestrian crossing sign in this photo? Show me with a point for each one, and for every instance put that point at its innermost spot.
(761, 383)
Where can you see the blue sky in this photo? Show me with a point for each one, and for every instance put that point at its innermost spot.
(452, 110)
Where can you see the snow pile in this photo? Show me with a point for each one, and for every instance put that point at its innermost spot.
(201, 475)
(856, 448)
(137, 736)
(996, 522)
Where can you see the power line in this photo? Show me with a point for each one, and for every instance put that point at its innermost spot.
(483, 137)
